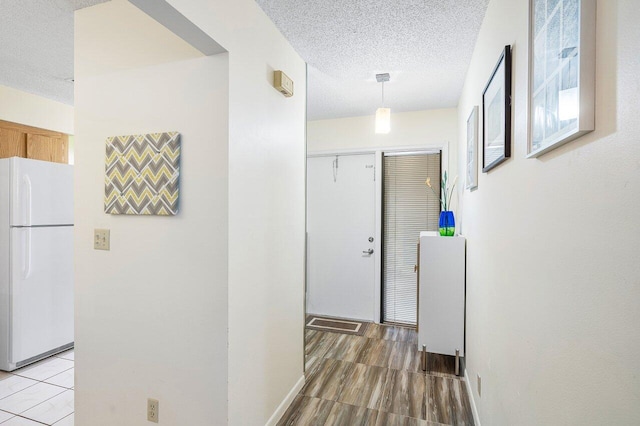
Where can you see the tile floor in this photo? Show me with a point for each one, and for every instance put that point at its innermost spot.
(39, 394)
(376, 380)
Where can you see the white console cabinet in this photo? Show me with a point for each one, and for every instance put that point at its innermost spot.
(441, 297)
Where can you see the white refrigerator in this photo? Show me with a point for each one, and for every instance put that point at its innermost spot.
(36, 260)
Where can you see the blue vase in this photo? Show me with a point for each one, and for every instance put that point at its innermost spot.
(447, 224)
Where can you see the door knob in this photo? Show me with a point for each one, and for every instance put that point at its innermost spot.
(370, 251)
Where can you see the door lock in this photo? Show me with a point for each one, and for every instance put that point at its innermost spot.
(370, 239)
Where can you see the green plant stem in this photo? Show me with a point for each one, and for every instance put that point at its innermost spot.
(445, 196)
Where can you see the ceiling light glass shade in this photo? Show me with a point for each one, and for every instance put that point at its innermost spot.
(383, 120)
(568, 104)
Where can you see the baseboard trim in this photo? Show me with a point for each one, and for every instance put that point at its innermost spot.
(282, 408)
(474, 409)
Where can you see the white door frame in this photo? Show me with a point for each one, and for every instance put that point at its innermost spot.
(379, 151)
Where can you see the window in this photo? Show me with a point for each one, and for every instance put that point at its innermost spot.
(409, 207)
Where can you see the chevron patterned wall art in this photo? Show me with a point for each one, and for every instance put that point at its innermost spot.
(141, 174)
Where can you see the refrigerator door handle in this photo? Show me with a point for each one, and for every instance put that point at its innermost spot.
(28, 201)
(26, 268)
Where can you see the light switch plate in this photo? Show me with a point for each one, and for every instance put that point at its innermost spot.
(101, 239)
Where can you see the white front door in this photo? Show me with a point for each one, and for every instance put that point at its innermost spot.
(341, 228)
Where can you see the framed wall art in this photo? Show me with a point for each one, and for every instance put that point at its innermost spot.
(142, 174)
(561, 72)
(472, 149)
(496, 114)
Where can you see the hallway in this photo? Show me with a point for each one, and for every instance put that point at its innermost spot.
(376, 379)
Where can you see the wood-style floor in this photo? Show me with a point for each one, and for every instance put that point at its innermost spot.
(376, 380)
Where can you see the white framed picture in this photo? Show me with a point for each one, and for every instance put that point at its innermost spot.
(472, 149)
(561, 72)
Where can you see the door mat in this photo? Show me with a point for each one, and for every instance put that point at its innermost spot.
(337, 325)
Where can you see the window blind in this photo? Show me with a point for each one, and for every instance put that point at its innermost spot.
(409, 206)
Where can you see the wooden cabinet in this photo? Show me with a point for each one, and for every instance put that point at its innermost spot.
(441, 297)
(12, 143)
(17, 140)
(47, 148)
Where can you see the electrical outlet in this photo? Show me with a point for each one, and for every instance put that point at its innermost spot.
(153, 410)
(479, 381)
(101, 239)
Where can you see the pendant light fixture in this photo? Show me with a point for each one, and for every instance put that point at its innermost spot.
(383, 115)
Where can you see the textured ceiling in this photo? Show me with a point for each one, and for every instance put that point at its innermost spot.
(36, 46)
(425, 45)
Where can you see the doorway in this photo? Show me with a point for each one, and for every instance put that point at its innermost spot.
(364, 215)
(341, 200)
(409, 206)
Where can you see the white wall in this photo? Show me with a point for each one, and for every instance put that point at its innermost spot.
(258, 182)
(266, 206)
(408, 129)
(151, 314)
(553, 278)
(33, 110)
